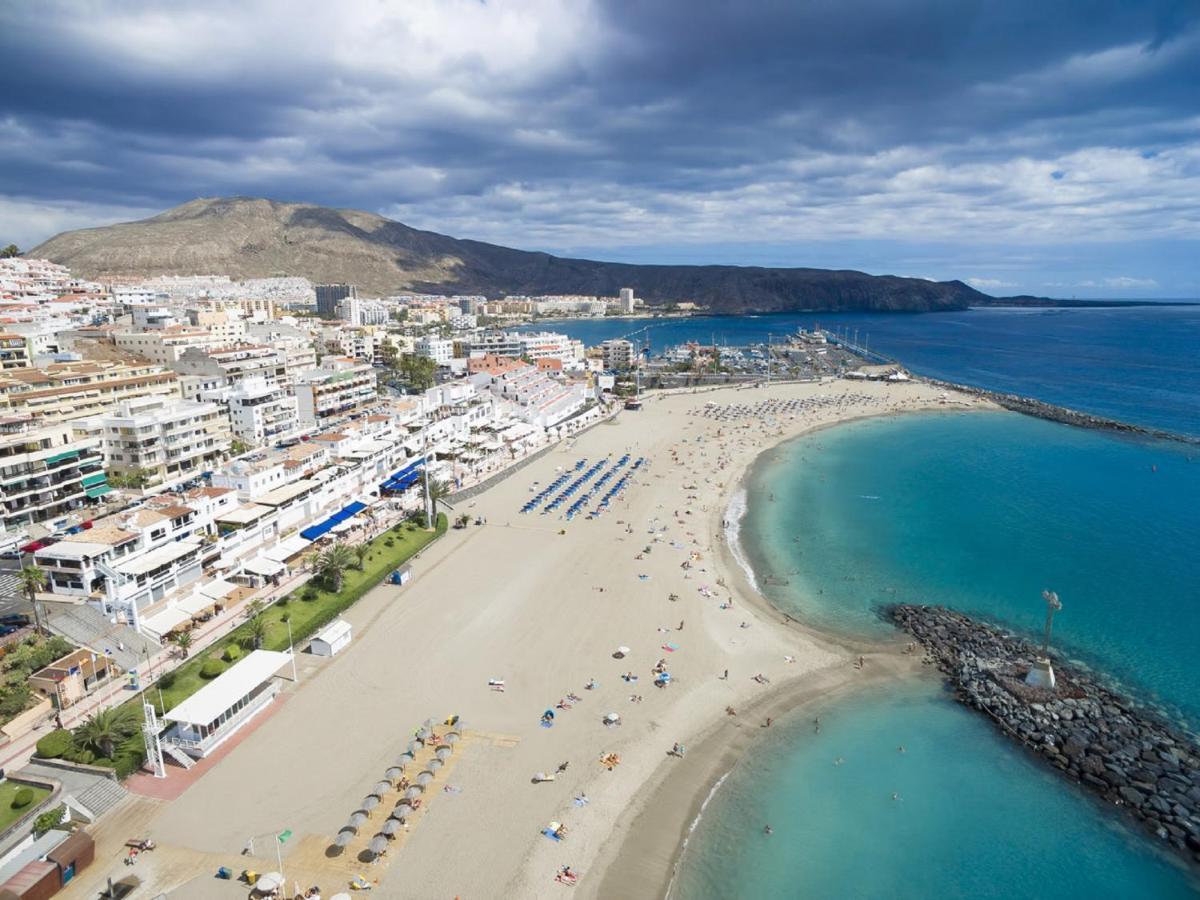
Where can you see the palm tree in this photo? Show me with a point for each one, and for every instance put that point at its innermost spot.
(33, 580)
(360, 554)
(254, 607)
(438, 490)
(105, 729)
(257, 632)
(333, 563)
(183, 641)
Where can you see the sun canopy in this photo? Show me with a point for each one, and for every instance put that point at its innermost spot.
(262, 566)
(285, 550)
(319, 530)
(165, 620)
(218, 588)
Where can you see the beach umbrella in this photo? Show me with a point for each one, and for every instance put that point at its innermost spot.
(393, 773)
(378, 844)
(622, 652)
(403, 811)
(357, 819)
(424, 778)
(443, 753)
(452, 738)
(422, 734)
(406, 757)
(381, 787)
(341, 896)
(343, 838)
(391, 826)
(435, 764)
(411, 748)
(370, 803)
(268, 882)
(414, 792)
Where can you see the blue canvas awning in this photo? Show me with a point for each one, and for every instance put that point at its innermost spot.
(319, 530)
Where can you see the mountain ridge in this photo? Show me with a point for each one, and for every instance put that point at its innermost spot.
(246, 237)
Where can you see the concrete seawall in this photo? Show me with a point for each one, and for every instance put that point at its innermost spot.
(1130, 757)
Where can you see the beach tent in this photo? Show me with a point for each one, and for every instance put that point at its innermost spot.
(268, 882)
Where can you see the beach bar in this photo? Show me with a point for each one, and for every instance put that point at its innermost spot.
(209, 717)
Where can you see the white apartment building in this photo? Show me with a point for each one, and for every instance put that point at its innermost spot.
(46, 471)
(540, 400)
(360, 311)
(440, 350)
(165, 346)
(339, 386)
(618, 354)
(233, 364)
(168, 439)
(261, 412)
(627, 301)
(532, 346)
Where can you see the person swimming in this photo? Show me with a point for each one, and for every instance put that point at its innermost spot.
(767, 830)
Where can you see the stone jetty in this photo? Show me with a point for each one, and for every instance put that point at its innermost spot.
(1061, 414)
(1132, 758)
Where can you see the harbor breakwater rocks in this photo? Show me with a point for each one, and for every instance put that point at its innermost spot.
(1129, 756)
(1041, 410)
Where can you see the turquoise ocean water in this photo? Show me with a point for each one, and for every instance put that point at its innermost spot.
(979, 512)
(975, 817)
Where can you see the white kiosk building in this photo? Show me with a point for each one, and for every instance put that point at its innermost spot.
(209, 717)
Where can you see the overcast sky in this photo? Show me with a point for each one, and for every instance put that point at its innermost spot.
(1044, 147)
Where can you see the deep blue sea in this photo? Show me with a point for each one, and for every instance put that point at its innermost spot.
(979, 512)
(1137, 364)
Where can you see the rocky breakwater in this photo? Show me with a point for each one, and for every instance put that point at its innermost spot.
(1131, 757)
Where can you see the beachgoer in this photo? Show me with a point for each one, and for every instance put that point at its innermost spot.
(767, 830)
(817, 725)
(563, 767)
(680, 628)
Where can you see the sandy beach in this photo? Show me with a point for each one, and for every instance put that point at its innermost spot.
(541, 604)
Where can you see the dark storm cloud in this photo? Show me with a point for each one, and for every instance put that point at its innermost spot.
(559, 123)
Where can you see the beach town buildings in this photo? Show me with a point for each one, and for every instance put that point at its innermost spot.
(539, 399)
(359, 311)
(70, 679)
(46, 471)
(330, 295)
(200, 370)
(165, 345)
(71, 390)
(440, 350)
(14, 351)
(618, 354)
(166, 439)
(261, 412)
(338, 387)
(627, 302)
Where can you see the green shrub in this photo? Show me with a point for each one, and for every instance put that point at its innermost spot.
(167, 680)
(310, 594)
(232, 653)
(49, 820)
(79, 755)
(212, 668)
(22, 798)
(283, 601)
(55, 744)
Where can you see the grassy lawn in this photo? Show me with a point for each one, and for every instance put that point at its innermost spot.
(8, 790)
(308, 609)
